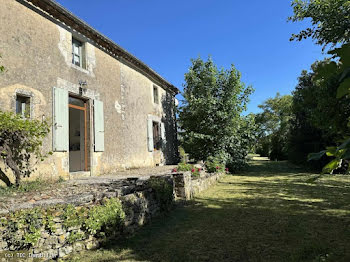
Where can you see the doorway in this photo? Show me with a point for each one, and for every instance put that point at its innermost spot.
(78, 134)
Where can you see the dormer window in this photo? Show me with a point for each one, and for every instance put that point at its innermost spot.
(78, 56)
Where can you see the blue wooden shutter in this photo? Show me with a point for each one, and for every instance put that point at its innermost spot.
(162, 130)
(61, 120)
(99, 126)
(150, 135)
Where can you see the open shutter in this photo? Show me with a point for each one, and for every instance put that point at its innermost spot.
(99, 126)
(162, 130)
(150, 135)
(61, 120)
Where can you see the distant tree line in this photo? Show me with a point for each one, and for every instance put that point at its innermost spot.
(313, 123)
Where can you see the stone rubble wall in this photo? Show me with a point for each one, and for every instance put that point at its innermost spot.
(139, 201)
(186, 187)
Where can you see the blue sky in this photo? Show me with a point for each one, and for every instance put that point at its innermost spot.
(253, 35)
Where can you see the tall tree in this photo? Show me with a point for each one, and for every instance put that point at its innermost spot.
(306, 135)
(210, 116)
(335, 75)
(330, 20)
(273, 124)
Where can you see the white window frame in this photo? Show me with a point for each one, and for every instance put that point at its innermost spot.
(155, 94)
(78, 51)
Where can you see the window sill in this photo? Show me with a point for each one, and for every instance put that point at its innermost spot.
(81, 69)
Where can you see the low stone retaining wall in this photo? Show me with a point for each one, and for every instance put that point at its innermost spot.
(53, 228)
(186, 186)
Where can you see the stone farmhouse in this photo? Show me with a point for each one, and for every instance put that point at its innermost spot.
(109, 110)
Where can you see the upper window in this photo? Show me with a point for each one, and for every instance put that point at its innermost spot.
(78, 58)
(23, 106)
(155, 95)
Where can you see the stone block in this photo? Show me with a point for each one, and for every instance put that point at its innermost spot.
(52, 240)
(92, 244)
(62, 239)
(64, 251)
(78, 246)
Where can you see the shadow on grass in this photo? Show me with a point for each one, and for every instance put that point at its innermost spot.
(252, 217)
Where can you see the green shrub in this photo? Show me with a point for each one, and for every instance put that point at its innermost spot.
(164, 192)
(184, 167)
(23, 228)
(108, 216)
(75, 236)
(183, 155)
(214, 164)
(195, 172)
(70, 217)
(29, 222)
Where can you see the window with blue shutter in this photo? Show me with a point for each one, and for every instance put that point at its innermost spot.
(61, 120)
(162, 129)
(150, 135)
(99, 128)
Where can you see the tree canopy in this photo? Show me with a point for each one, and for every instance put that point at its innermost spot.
(273, 125)
(210, 116)
(330, 20)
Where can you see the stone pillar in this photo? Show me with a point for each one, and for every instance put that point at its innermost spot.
(183, 185)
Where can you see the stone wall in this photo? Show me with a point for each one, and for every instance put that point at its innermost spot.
(186, 187)
(57, 233)
(139, 203)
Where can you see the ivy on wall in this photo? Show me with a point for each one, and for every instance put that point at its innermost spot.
(22, 229)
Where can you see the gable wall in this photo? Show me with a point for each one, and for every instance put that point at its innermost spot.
(36, 52)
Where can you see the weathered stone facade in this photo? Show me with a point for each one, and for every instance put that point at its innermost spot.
(36, 49)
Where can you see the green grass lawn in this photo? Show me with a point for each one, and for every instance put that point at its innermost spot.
(271, 212)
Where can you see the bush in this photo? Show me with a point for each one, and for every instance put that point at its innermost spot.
(164, 192)
(214, 164)
(183, 155)
(184, 167)
(20, 140)
(108, 216)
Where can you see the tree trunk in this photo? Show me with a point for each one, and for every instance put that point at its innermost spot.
(12, 164)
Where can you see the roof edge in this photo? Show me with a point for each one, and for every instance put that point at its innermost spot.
(61, 14)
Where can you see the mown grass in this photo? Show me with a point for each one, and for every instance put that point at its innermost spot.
(270, 212)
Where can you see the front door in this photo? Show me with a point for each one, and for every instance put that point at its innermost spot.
(78, 134)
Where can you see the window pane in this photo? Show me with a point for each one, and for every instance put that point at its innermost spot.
(156, 135)
(77, 52)
(76, 49)
(155, 95)
(18, 107)
(76, 101)
(77, 60)
(23, 106)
